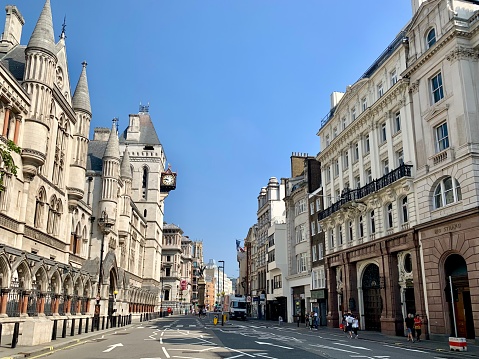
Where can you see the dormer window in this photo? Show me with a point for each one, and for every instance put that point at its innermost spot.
(430, 38)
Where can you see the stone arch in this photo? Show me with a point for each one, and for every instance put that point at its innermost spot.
(67, 285)
(21, 275)
(4, 271)
(370, 300)
(55, 282)
(41, 278)
(78, 287)
(87, 288)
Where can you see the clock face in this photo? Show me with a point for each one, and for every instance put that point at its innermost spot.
(168, 180)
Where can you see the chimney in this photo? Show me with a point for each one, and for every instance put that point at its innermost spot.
(13, 28)
(335, 98)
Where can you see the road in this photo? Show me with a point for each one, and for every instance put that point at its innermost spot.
(187, 337)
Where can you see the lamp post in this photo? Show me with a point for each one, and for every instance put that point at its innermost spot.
(105, 229)
(223, 286)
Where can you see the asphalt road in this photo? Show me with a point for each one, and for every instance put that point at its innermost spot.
(191, 338)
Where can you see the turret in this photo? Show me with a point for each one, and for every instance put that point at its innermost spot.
(125, 198)
(13, 29)
(40, 53)
(81, 105)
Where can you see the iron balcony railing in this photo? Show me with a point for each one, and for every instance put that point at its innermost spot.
(350, 195)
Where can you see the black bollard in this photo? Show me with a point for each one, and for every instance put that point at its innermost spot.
(72, 332)
(0, 333)
(54, 330)
(141, 317)
(64, 329)
(102, 323)
(16, 331)
(80, 326)
(92, 324)
(129, 322)
(87, 325)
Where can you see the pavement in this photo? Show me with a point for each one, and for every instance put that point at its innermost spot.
(63, 343)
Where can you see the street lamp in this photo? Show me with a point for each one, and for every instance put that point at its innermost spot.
(223, 286)
(105, 226)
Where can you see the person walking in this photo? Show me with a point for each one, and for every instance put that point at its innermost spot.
(417, 327)
(349, 324)
(355, 326)
(315, 320)
(409, 322)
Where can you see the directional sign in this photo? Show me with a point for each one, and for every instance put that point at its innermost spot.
(111, 347)
(274, 345)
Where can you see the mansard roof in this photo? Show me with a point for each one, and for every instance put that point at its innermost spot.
(14, 62)
(148, 135)
(96, 149)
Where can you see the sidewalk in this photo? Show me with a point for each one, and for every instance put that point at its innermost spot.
(439, 346)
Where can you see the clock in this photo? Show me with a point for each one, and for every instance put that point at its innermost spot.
(168, 180)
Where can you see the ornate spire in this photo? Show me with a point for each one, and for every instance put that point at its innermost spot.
(42, 36)
(125, 168)
(113, 144)
(81, 97)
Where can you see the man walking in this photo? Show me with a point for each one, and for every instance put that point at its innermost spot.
(409, 322)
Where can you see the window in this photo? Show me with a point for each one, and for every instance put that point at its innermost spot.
(397, 121)
(335, 132)
(400, 157)
(320, 251)
(300, 233)
(386, 166)
(319, 227)
(360, 227)
(340, 235)
(313, 228)
(357, 180)
(367, 146)
(442, 137)
(364, 104)
(353, 114)
(300, 207)
(372, 221)
(346, 159)
(318, 204)
(343, 121)
(314, 253)
(321, 278)
(430, 38)
(336, 168)
(369, 176)
(328, 174)
(60, 148)
(447, 191)
(394, 77)
(389, 216)
(277, 282)
(380, 90)
(39, 207)
(356, 151)
(405, 213)
(350, 231)
(311, 208)
(144, 183)
(327, 140)
(383, 133)
(436, 88)
(315, 279)
(301, 262)
(331, 239)
(271, 256)
(167, 294)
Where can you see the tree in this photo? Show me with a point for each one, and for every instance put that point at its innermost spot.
(7, 164)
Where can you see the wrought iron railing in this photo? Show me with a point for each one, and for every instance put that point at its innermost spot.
(349, 195)
(33, 301)
(14, 298)
(48, 304)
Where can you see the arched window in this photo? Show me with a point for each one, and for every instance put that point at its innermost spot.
(167, 294)
(389, 216)
(60, 147)
(51, 215)
(372, 221)
(360, 227)
(447, 191)
(404, 210)
(430, 38)
(144, 183)
(39, 207)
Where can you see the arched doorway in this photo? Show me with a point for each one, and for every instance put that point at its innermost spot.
(456, 268)
(372, 298)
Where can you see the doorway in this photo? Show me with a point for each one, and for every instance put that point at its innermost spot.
(372, 298)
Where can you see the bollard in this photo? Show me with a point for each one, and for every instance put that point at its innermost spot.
(72, 332)
(16, 331)
(0, 333)
(64, 329)
(54, 330)
(129, 322)
(141, 317)
(107, 322)
(102, 323)
(80, 326)
(92, 324)
(280, 319)
(87, 324)
(222, 319)
(298, 321)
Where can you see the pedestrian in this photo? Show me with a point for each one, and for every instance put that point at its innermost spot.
(417, 327)
(311, 320)
(349, 324)
(306, 320)
(315, 320)
(409, 322)
(355, 326)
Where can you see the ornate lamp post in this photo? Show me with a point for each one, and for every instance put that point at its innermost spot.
(105, 226)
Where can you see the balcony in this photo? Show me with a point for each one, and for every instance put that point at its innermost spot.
(372, 187)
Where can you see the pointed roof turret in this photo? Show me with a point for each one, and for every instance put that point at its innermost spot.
(43, 36)
(113, 145)
(125, 167)
(81, 97)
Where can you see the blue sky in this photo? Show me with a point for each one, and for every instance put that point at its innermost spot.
(234, 87)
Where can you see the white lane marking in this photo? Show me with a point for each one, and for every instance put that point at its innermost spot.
(162, 333)
(411, 350)
(273, 345)
(333, 348)
(192, 325)
(166, 353)
(239, 351)
(111, 347)
(179, 326)
(352, 346)
(161, 340)
(263, 355)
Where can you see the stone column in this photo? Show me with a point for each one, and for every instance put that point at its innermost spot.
(24, 303)
(6, 120)
(18, 121)
(3, 301)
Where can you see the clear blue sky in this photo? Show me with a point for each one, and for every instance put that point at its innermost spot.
(234, 86)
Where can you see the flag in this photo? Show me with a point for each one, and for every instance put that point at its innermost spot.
(238, 242)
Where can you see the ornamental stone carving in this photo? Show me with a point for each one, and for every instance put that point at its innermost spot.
(462, 53)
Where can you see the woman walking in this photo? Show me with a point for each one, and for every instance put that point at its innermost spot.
(355, 326)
